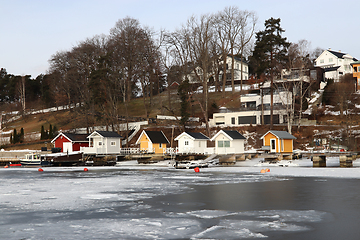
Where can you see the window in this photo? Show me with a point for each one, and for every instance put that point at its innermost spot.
(199, 144)
(355, 69)
(186, 143)
(330, 59)
(237, 66)
(223, 143)
(100, 143)
(160, 145)
(232, 120)
(321, 60)
(247, 120)
(113, 143)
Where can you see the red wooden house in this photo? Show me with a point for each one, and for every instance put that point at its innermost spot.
(69, 142)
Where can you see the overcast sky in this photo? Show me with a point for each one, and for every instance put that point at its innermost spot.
(33, 30)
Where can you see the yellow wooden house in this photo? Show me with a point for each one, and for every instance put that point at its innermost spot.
(278, 141)
(153, 142)
(356, 73)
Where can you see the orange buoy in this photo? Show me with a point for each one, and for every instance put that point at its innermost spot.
(85, 169)
(267, 170)
(40, 170)
(197, 169)
(262, 171)
(6, 166)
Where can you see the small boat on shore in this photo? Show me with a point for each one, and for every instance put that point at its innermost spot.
(190, 164)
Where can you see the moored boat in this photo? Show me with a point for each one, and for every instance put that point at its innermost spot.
(34, 159)
(190, 164)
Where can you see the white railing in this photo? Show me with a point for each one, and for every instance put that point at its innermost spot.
(170, 151)
(129, 151)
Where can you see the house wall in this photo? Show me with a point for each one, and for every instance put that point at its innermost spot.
(185, 148)
(103, 145)
(237, 68)
(77, 146)
(194, 146)
(112, 145)
(356, 74)
(200, 146)
(282, 145)
(59, 142)
(327, 59)
(228, 118)
(145, 144)
(236, 146)
(288, 145)
(267, 137)
(159, 149)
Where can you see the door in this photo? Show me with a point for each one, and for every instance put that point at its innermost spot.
(272, 145)
(67, 147)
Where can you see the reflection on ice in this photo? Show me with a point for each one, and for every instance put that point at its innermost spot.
(210, 213)
(219, 232)
(288, 215)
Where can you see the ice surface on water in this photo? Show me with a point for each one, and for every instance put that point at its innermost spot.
(109, 203)
(219, 232)
(211, 213)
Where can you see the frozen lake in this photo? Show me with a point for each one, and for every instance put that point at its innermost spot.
(153, 202)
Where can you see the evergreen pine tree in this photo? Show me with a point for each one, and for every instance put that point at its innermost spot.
(55, 132)
(42, 134)
(21, 137)
(15, 137)
(51, 135)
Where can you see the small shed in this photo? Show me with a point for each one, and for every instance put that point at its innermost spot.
(103, 142)
(192, 142)
(70, 142)
(228, 142)
(278, 141)
(153, 142)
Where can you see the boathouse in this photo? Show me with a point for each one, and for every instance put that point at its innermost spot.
(228, 142)
(278, 141)
(70, 142)
(103, 143)
(192, 142)
(153, 142)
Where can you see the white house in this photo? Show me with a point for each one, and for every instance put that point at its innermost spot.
(251, 110)
(239, 67)
(103, 143)
(192, 142)
(228, 142)
(335, 64)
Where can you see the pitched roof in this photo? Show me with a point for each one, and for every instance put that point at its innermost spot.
(197, 135)
(280, 134)
(337, 54)
(76, 137)
(234, 134)
(107, 134)
(72, 137)
(156, 136)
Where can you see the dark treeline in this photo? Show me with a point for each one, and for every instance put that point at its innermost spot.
(103, 73)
